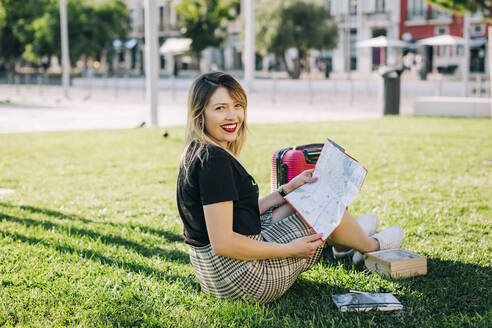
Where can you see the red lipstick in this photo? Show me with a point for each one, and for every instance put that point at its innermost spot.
(229, 127)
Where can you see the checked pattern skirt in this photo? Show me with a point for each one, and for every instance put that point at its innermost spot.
(255, 280)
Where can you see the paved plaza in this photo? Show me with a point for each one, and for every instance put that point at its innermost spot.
(28, 108)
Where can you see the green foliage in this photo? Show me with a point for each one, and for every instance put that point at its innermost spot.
(293, 24)
(35, 28)
(2, 16)
(205, 21)
(92, 236)
(463, 6)
(267, 22)
(17, 30)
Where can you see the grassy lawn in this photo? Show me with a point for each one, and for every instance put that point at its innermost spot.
(91, 236)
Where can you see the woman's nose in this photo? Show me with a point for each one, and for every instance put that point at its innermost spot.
(230, 114)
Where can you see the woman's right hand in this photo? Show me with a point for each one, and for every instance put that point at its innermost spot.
(305, 247)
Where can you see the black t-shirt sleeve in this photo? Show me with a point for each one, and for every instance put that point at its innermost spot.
(217, 179)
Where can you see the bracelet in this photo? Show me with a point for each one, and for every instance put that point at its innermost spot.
(281, 191)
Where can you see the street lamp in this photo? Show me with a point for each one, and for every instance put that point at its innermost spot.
(249, 43)
(64, 45)
(151, 60)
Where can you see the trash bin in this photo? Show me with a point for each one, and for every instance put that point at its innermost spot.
(391, 97)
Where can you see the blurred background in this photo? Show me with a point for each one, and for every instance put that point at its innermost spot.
(318, 59)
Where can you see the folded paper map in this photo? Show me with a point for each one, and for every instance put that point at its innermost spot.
(322, 203)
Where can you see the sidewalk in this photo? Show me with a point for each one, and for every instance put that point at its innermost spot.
(42, 108)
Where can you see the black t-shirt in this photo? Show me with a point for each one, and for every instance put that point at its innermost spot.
(220, 178)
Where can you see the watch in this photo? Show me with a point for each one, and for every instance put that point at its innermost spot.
(281, 191)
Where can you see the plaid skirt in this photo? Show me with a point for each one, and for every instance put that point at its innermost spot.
(254, 280)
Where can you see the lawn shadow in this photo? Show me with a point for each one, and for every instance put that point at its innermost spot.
(451, 294)
(174, 255)
(170, 236)
(453, 287)
(463, 286)
(97, 257)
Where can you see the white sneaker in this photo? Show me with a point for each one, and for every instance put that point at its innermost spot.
(389, 238)
(369, 224)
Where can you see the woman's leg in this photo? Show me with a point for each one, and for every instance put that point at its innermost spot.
(350, 234)
(282, 212)
(347, 235)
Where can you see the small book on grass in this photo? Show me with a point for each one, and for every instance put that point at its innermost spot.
(365, 301)
(397, 263)
(322, 203)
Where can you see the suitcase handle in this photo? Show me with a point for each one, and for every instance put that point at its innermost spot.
(311, 152)
(311, 155)
(314, 145)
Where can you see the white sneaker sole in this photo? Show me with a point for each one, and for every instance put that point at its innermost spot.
(389, 238)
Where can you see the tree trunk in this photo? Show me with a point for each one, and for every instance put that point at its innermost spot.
(11, 69)
(198, 56)
(297, 67)
(109, 62)
(84, 66)
(293, 74)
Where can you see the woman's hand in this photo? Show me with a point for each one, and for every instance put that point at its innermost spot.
(302, 178)
(305, 247)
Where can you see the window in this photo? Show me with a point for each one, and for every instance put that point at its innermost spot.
(161, 18)
(132, 18)
(437, 13)
(353, 7)
(440, 30)
(167, 15)
(353, 52)
(380, 6)
(478, 30)
(418, 5)
(417, 10)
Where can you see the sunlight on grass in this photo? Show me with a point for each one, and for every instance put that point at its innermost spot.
(91, 235)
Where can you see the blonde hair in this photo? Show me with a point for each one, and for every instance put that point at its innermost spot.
(196, 137)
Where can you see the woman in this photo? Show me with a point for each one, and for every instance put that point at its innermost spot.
(242, 246)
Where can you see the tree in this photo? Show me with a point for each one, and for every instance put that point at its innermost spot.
(205, 22)
(92, 26)
(15, 27)
(2, 16)
(300, 25)
(32, 28)
(267, 23)
(463, 6)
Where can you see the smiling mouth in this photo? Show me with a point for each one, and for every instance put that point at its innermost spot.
(230, 128)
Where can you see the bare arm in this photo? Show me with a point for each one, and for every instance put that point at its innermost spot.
(274, 199)
(225, 242)
(271, 200)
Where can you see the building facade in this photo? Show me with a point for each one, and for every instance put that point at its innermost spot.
(407, 20)
(357, 20)
(362, 20)
(419, 20)
(130, 54)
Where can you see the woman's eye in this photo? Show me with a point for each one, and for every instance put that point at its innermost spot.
(238, 106)
(220, 108)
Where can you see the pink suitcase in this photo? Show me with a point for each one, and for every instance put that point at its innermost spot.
(287, 163)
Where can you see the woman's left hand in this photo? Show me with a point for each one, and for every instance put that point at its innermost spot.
(302, 178)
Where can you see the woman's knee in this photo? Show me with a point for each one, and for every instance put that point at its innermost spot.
(282, 212)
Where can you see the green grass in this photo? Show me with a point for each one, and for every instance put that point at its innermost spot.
(92, 237)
